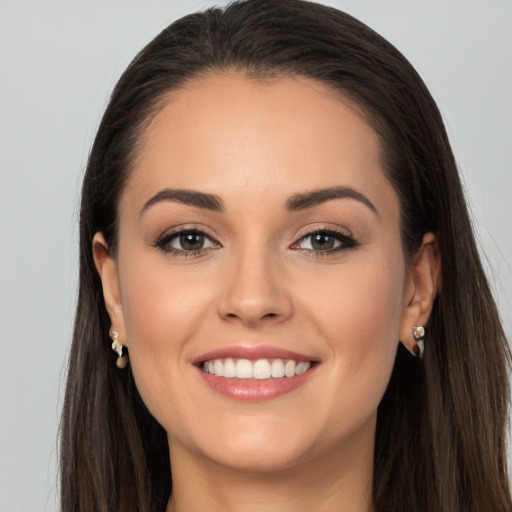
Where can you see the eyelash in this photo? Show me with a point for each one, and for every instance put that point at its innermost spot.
(348, 242)
(162, 243)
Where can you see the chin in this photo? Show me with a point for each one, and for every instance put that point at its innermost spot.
(258, 458)
(259, 446)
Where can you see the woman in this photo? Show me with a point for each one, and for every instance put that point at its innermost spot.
(271, 204)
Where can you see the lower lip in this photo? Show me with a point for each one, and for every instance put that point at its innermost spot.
(255, 390)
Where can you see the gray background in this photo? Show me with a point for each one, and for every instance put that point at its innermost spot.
(58, 62)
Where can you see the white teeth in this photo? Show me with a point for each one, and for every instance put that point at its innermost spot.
(277, 369)
(289, 368)
(301, 368)
(218, 367)
(243, 369)
(260, 369)
(229, 368)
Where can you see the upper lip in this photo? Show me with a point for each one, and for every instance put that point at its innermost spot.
(252, 353)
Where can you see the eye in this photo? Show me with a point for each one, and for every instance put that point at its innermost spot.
(189, 241)
(186, 242)
(325, 241)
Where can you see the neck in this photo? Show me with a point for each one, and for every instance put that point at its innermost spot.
(340, 481)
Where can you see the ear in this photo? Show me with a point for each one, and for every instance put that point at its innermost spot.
(106, 267)
(421, 288)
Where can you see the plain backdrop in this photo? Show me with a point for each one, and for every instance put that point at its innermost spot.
(58, 62)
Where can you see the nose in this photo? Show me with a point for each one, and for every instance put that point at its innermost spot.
(256, 291)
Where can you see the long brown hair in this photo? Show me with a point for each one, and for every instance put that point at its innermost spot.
(440, 442)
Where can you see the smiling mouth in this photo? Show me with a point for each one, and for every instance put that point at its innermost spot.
(261, 369)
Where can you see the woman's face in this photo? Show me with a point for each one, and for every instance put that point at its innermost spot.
(258, 225)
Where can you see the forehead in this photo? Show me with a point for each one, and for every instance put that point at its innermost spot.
(231, 135)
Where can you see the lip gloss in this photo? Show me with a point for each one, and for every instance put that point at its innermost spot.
(255, 390)
(253, 353)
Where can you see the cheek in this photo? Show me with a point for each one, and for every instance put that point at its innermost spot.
(359, 316)
(160, 301)
(360, 304)
(369, 309)
(162, 312)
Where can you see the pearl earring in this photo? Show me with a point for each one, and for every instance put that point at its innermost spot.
(419, 347)
(117, 347)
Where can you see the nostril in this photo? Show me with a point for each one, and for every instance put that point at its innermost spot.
(267, 315)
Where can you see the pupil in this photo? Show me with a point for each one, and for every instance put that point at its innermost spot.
(322, 242)
(191, 241)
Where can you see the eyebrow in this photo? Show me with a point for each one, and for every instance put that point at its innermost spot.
(188, 197)
(297, 202)
(316, 197)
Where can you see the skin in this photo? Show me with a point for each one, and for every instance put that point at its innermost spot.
(260, 281)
